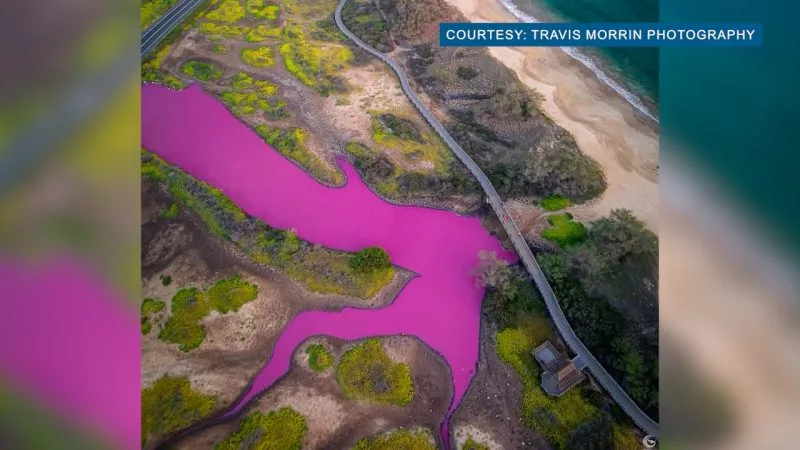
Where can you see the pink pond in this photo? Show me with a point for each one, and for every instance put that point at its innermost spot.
(71, 346)
(192, 130)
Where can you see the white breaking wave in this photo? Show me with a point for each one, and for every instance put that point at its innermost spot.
(632, 98)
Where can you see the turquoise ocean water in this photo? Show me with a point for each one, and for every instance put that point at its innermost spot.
(632, 72)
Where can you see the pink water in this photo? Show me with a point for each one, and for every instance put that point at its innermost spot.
(192, 130)
(70, 344)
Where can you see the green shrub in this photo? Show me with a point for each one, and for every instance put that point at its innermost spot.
(262, 33)
(290, 142)
(260, 9)
(166, 280)
(314, 65)
(399, 439)
(258, 57)
(398, 127)
(171, 212)
(466, 73)
(366, 372)
(170, 404)
(396, 133)
(216, 31)
(564, 231)
(284, 429)
(201, 70)
(365, 21)
(555, 202)
(472, 444)
(189, 306)
(149, 307)
(511, 297)
(370, 259)
(228, 11)
(231, 293)
(319, 358)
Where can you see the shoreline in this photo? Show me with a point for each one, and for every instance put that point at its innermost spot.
(606, 127)
(603, 69)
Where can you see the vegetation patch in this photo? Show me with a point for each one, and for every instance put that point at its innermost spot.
(390, 181)
(391, 125)
(228, 11)
(366, 22)
(170, 404)
(370, 260)
(171, 212)
(284, 429)
(554, 417)
(401, 134)
(319, 358)
(563, 230)
(466, 73)
(315, 65)
(420, 439)
(262, 33)
(231, 293)
(322, 270)
(166, 280)
(258, 57)
(608, 288)
(472, 444)
(555, 202)
(151, 10)
(261, 9)
(251, 96)
(202, 71)
(510, 293)
(625, 439)
(151, 70)
(150, 306)
(191, 305)
(366, 372)
(216, 31)
(290, 142)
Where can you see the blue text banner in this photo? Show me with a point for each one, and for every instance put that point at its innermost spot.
(600, 35)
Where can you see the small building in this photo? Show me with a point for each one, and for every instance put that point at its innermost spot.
(559, 373)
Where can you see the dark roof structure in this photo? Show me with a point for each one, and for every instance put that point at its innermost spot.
(559, 372)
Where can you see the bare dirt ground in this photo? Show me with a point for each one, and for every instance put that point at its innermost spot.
(489, 410)
(237, 344)
(335, 422)
(604, 125)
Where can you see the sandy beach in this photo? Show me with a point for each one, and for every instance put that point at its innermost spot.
(605, 126)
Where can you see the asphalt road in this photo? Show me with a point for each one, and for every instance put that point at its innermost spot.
(162, 27)
(524, 252)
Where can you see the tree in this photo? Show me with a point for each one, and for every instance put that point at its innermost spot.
(369, 260)
(597, 434)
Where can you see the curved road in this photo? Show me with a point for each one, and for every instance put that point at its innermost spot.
(602, 376)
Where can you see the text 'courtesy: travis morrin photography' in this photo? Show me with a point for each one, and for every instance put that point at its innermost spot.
(599, 34)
